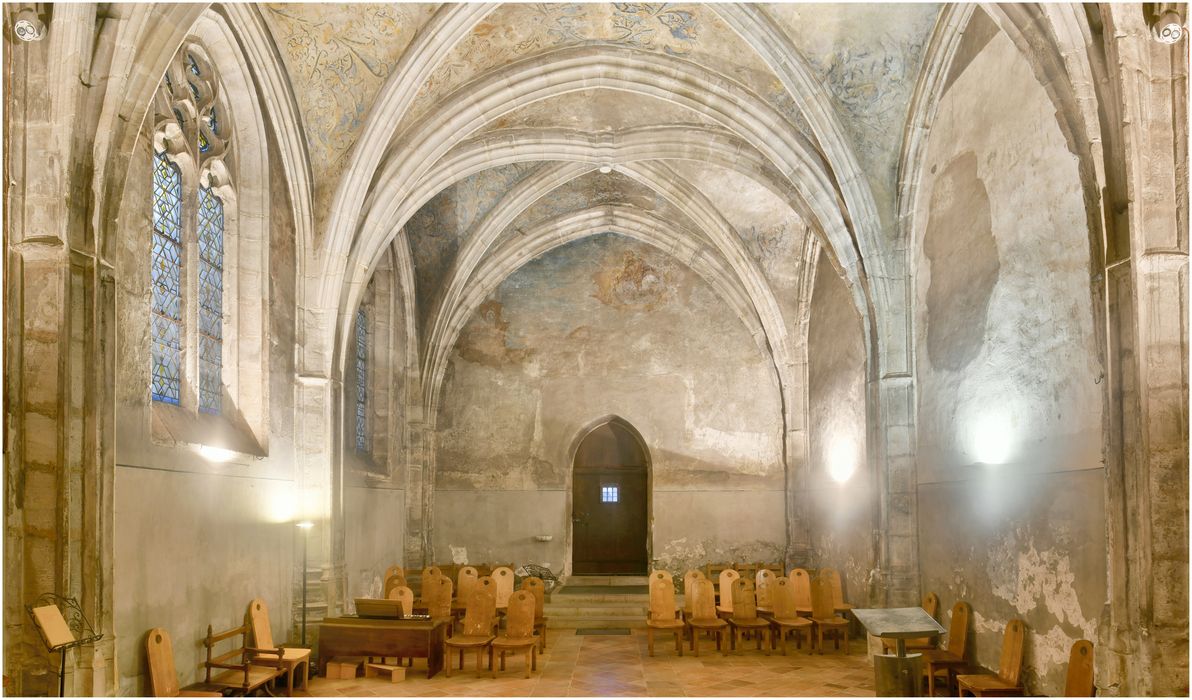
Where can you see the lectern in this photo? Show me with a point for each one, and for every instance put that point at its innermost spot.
(58, 634)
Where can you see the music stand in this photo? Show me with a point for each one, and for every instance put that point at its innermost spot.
(58, 634)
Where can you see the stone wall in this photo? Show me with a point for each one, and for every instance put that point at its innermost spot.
(1010, 465)
(600, 327)
(841, 497)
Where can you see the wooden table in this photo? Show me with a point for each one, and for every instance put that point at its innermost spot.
(897, 675)
(358, 636)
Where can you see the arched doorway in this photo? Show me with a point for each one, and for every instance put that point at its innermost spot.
(610, 502)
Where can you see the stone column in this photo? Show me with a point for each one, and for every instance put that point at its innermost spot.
(59, 345)
(1146, 293)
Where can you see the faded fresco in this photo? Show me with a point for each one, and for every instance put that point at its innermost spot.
(610, 326)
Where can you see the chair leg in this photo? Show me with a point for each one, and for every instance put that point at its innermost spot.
(769, 634)
(695, 641)
(529, 651)
(679, 641)
(650, 640)
(724, 649)
(534, 659)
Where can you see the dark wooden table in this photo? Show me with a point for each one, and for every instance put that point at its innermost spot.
(899, 675)
(357, 636)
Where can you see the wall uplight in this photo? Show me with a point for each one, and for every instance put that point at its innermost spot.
(215, 454)
(990, 438)
(842, 460)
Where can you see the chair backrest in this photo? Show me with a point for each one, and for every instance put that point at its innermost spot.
(503, 576)
(931, 603)
(763, 579)
(537, 588)
(782, 598)
(958, 628)
(394, 581)
(394, 570)
(427, 574)
(1010, 665)
(1079, 683)
(662, 596)
(712, 571)
(464, 582)
(744, 600)
(258, 622)
(688, 593)
(163, 677)
(703, 603)
(436, 594)
(801, 586)
(833, 578)
(405, 596)
(822, 606)
(726, 588)
(519, 615)
(481, 609)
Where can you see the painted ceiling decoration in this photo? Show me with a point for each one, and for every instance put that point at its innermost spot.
(760, 133)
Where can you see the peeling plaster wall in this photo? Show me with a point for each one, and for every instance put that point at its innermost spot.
(599, 327)
(1011, 483)
(841, 513)
(196, 541)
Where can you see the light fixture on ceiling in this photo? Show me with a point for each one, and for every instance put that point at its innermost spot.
(606, 169)
(1168, 28)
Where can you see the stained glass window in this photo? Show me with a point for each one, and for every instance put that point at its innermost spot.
(211, 253)
(361, 379)
(166, 281)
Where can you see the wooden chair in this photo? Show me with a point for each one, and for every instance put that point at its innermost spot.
(292, 658)
(931, 604)
(689, 579)
(478, 627)
(503, 576)
(725, 606)
(786, 618)
(436, 595)
(951, 657)
(465, 581)
(519, 631)
(703, 615)
(1008, 680)
(394, 581)
(663, 615)
(486, 583)
(745, 617)
(762, 582)
(537, 588)
(833, 578)
(405, 596)
(712, 571)
(239, 672)
(163, 676)
(427, 573)
(823, 614)
(1079, 683)
(801, 587)
(394, 570)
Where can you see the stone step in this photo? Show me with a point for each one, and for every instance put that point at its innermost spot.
(602, 622)
(596, 611)
(606, 580)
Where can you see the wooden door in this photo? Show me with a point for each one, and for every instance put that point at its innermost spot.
(609, 503)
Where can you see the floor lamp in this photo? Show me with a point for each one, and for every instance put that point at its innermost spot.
(305, 526)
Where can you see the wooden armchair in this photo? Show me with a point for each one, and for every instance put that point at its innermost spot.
(744, 615)
(163, 676)
(663, 615)
(786, 618)
(704, 617)
(1079, 683)
(537, 588)
(823, 614)
(478, 626)
(801, 588)
(951, 657)
(244, 669)
(1008, 680)
(292, 658)
(519, 632)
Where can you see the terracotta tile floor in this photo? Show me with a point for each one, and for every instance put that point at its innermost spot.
(601, 666)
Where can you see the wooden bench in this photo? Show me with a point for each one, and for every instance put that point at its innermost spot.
(237, 669)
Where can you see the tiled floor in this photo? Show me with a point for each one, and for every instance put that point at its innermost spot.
(597, 666)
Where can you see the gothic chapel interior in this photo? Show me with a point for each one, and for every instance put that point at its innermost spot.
(890, 300)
